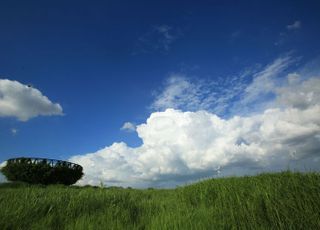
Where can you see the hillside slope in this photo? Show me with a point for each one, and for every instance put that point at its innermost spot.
(267, 201)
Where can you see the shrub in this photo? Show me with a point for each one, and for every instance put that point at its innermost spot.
(42, 171)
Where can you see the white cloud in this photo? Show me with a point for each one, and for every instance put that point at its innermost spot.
(179, 145)
(24, 102)
(182, 146)
(294, 26)
(128, 126)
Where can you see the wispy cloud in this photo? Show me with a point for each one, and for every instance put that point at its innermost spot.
(193, 94)
(24, 102)
(295, 25)
(234, 36)
(264, 81)
(159, 38)
(224, 96)
(167, 37)
(181, 146)
(285, 35)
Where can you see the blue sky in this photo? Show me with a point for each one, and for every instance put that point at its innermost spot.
(108, 63)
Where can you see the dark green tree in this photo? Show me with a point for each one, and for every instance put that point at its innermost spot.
(42, 171)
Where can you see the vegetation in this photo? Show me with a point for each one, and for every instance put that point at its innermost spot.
(42, 171)
(268, 201)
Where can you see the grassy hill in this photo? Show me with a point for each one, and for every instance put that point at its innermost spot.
(267, 201)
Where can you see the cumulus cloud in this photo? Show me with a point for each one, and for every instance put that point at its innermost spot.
(294, 26)
(128, 126)
(24, 102)
(190, 141)
(177, 145)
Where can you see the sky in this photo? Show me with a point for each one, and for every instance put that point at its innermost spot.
(161, 93)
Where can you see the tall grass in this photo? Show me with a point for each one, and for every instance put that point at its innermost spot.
(267, 201)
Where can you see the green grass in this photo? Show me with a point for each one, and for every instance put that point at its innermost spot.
(267, 201)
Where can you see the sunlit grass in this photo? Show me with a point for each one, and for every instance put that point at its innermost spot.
(268, 201)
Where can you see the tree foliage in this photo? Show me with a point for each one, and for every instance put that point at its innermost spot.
(42, 171)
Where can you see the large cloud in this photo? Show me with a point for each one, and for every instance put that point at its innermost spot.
(183, 146)
(24, 102)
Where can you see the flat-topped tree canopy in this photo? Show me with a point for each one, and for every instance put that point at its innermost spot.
(42, 171)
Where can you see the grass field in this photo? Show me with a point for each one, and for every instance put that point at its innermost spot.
(267, 201)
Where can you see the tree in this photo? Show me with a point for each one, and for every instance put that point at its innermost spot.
(42, 171)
